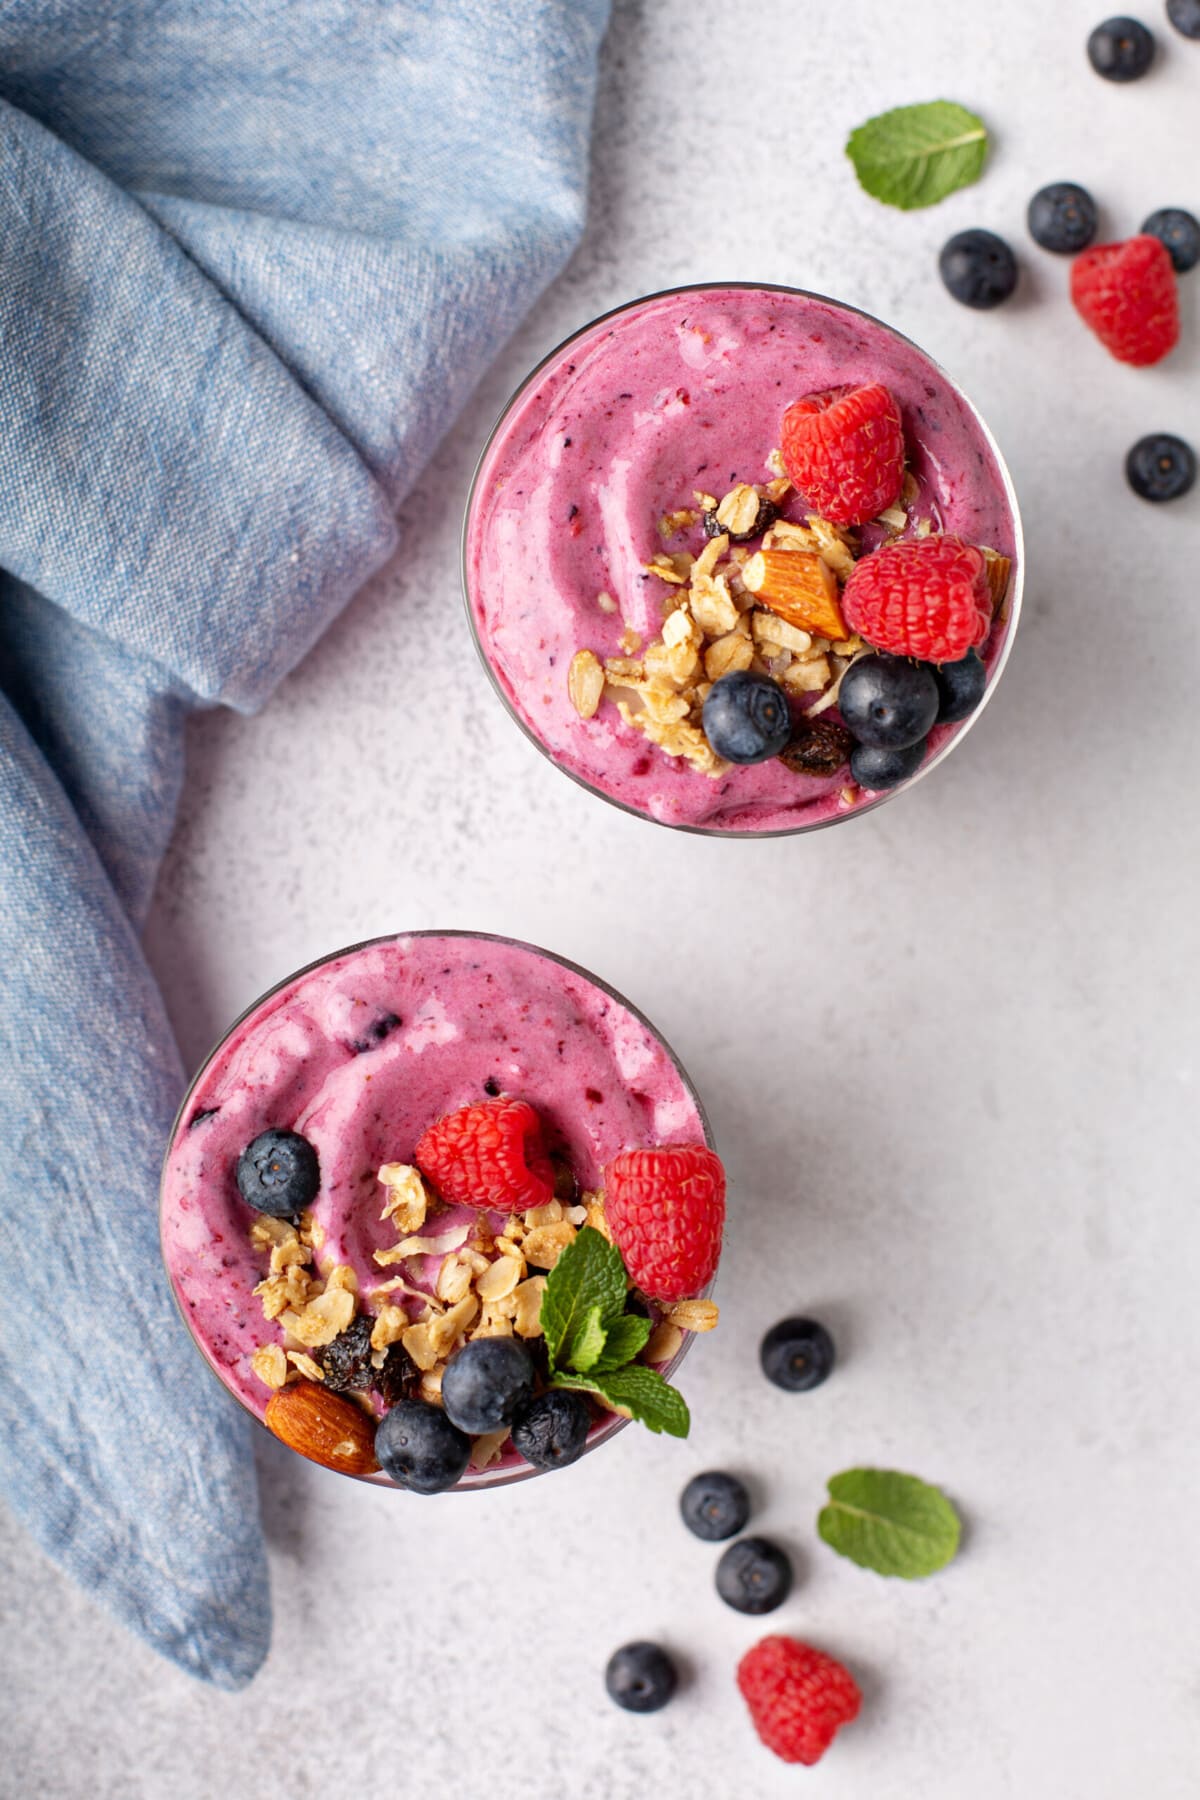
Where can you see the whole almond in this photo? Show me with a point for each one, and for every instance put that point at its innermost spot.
(325, 1427)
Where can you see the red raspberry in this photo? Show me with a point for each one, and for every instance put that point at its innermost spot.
(844, 452)
(1127, 293)
(490, 1155)
(667, 1211)
(925, 597)
(797, 1697)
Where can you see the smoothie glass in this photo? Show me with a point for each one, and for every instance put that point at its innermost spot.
(441, 1017)
(617, 427)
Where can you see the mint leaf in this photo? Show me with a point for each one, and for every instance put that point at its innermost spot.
(916, 155)
(889, 1522)
(588, 1275)
(587, 1342)
(639, 1392)
(626, 1337)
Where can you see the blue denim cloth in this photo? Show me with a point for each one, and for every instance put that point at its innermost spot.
(254, 258)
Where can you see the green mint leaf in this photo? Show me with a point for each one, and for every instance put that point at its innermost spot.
(641, 1393)
(626, 1338)
(587, 1342)
(916, 155)
(588, 1275)
(889, 1522)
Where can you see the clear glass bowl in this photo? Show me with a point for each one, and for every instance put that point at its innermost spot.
(503, 1474)
(999, 652)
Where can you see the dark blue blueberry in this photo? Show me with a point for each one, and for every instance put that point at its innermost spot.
(278, 1174)
(978, 268)
(1121, 49)
(746, 717)
(715, 1506)
(418, 1447)
(1180, 232)
(754, 1576)
(1185, 16)
(486, 1382)
(551, 1432)
(879, 769)
(960, 687)
(1161, 467)
(888, 702)
(797, 1354)
(1062, 217)
(640, 1677)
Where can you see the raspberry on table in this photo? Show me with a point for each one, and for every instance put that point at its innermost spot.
(490, 1155)
(844, 452)
(666, 1210)
(1127, 294)
(923, 597)
(798, 1697)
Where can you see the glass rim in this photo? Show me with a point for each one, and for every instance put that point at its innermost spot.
(473, 1479)
(1013, 598)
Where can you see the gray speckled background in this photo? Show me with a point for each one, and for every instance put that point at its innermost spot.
(948, 1050)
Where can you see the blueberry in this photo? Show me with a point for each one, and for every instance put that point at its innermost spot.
(887, 702)
(1121, 49)
(817, 747)
(278, 1174)
(640, 1677)
(715, 1506)
(754, 1576)
(796, 1354)
(960, 687)
(879, 769)
(978, 268)
(1062, 217)
(551, 1432)
(1185, 16)
(485, 1383)
(419, 1448)
(746, 717)
(1160, 467)
(1180, 232)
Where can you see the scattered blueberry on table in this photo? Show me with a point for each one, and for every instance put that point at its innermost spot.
(640, 1677)
(714, 1506)
(754, 1576)
(1180, 232)
(1121, 49)
(1161, 467)
(978, 268)
(1062, 217)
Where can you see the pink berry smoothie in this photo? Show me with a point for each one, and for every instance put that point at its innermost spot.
(360, 1054)
(617, 428)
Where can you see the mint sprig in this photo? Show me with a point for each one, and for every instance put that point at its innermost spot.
(915, 155)
(889, 1522)
(592, 1341)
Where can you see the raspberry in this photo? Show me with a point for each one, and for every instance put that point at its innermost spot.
(1127, 294)
(797, 1697)
(667, 1211)
(924, 597)
(844, 452)
(490, 1155)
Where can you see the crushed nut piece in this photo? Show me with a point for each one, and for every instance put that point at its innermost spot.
(549, 1214)
(431, 1384)
(454, 1279)
(407, 1199)
(597, 1218)
(487, 1449)
(424, 1246)
(445, 1332)
(391, 1323)
(665, 1342)
(501, 1278)
(694, 1315)
(304, 1365)
(738, 509)
(606, 603)
(630, 641)
(676, 569)
(324, 1316)
(270, 1365)
(527, 1319)
(544, 1246)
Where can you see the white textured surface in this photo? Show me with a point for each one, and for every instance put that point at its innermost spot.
(949, 1050)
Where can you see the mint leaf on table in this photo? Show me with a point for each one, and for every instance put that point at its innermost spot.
(916, 155)
(889, 1522)
(589, 1277)
(639, 1392)
(627, 1337)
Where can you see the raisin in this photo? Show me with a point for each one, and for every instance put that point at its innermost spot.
(347, 1360)
(818, 747)
(566, 1187)
(396, 1376)
(768, 512)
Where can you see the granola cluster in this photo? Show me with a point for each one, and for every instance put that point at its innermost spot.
(486, 1284)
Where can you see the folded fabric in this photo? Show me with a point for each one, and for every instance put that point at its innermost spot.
(254, 260)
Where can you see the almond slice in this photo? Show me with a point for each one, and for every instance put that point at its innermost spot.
(325, 1427)
(799, 586)
(998, 569)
